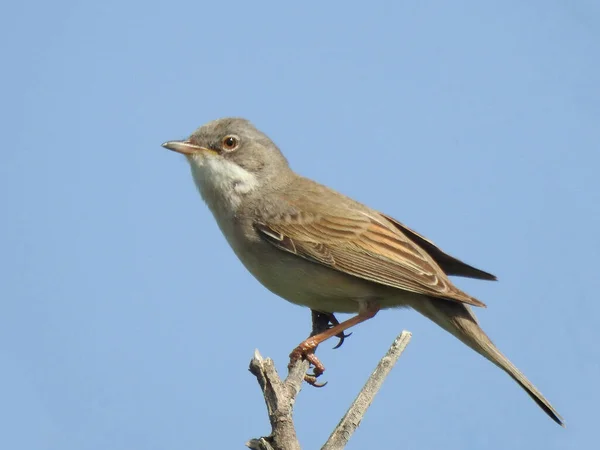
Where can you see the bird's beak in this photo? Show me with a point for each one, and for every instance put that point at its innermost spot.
(184, 147)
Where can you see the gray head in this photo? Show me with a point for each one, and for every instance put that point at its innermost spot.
(230, 158)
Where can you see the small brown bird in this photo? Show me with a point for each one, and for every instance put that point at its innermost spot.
(315, 247)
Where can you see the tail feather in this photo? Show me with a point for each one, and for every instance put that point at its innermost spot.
(457, 319)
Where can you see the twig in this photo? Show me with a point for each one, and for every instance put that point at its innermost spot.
(342, 433)
(279, 397)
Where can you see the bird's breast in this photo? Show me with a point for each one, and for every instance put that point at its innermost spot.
(296, 279)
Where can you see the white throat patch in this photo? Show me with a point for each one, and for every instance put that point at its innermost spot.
(221, 183)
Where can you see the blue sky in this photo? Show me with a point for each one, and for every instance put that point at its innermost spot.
(126, 320)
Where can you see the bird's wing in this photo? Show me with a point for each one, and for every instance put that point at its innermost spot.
(362, 244)
(449, 264)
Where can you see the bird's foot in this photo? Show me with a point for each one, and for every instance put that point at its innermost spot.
(306, 350)
(323, 321)
(341, 336)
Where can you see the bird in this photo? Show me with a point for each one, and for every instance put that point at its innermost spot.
(318, 248)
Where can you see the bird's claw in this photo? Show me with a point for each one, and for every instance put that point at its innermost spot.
(312, 380)
(318, 369)
(306, 350)
(342, 337)
(324, 321)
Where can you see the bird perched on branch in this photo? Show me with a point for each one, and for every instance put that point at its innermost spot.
(318, 248)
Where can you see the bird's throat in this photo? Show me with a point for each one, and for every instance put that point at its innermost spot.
(222, 183)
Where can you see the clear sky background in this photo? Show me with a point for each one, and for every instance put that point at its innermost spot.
(126, 321)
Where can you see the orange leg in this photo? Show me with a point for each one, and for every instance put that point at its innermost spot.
(321, 323)
(306, 349)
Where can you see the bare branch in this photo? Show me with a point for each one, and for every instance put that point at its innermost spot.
(279, 398)
(342, 433)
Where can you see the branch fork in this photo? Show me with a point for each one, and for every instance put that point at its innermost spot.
(280, 396)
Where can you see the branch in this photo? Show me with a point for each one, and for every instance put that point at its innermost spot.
(342, 433)
(280, 397)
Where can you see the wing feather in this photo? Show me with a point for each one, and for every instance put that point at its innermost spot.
(362, 245)
(449, 264)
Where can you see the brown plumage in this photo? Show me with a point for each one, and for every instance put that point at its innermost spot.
(364, 244)
(318, 248)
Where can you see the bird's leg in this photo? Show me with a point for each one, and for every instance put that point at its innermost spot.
(306, 349)
(321, 321)
(341, 335)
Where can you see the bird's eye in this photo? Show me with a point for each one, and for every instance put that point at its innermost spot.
(230, 142)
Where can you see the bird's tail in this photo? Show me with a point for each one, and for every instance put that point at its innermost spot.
(457, 319)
